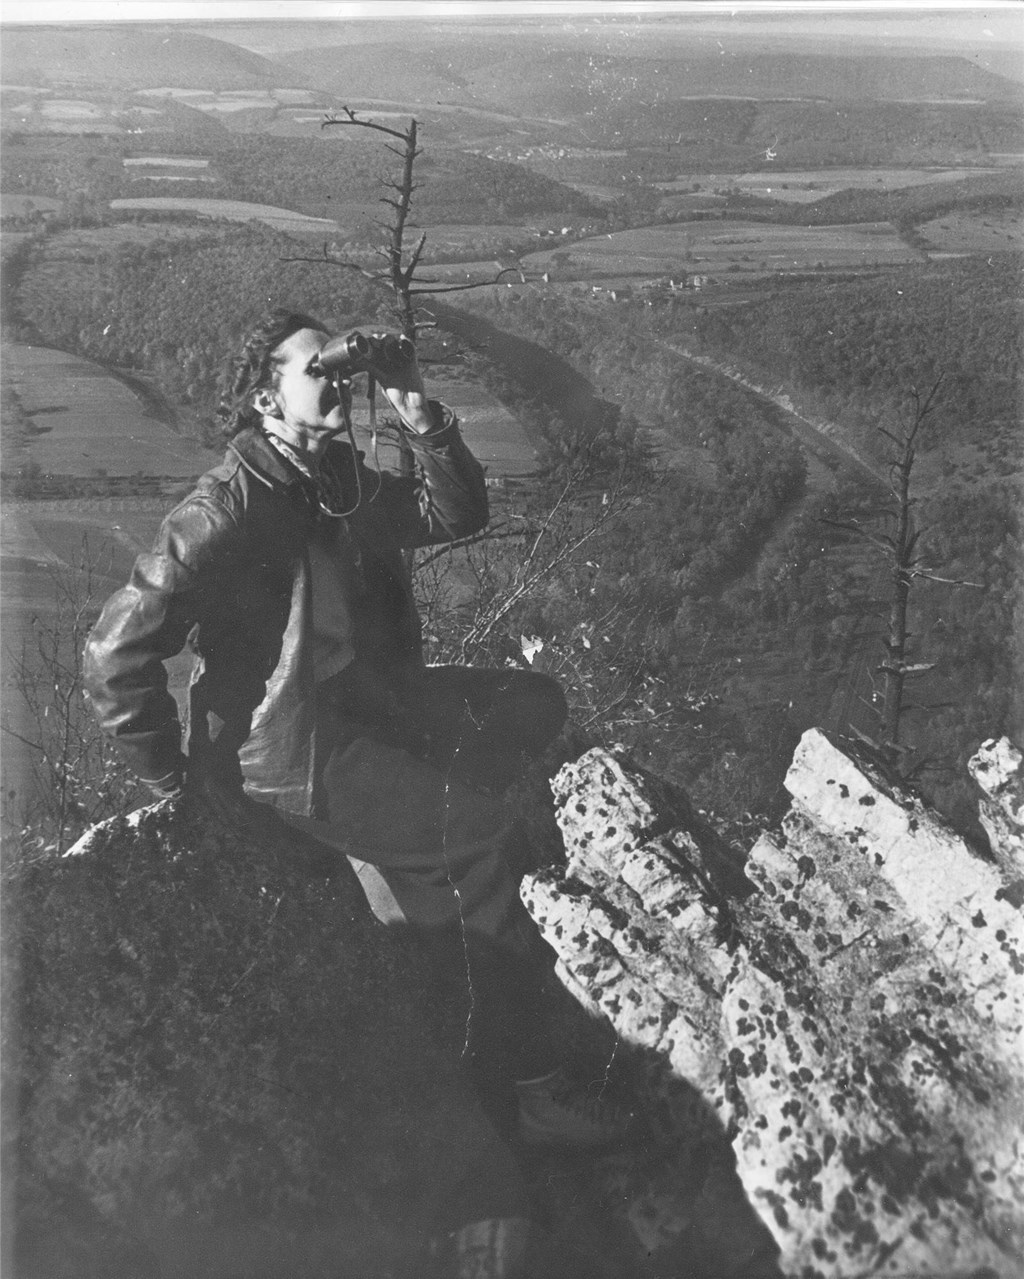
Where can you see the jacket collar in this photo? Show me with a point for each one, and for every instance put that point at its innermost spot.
(262, 460)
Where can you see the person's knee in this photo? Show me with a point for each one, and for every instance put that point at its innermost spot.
(543, 707)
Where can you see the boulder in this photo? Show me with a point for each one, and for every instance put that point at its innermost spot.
(998, 769)
(848, 1011)
(225, 1068)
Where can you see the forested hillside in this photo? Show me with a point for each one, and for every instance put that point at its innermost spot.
(854, 349)
(716, 616)
(312, 176)
(555, 77)
(134, 57)
(175, 307)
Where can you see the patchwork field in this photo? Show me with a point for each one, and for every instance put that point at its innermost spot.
(807, 185)
(496, 437)
(232, 211)
(717, 246)
(175, 168)
(967, 231)
(20, 206)
(85, 242)
(38, 110)
(84, 422)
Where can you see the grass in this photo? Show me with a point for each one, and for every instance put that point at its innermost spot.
(807, 185)
(232, 211)
(87, 241)
(83, 422)
(717, 246)
(19, 206)
(969, 231)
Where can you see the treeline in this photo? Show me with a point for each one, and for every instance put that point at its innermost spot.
(176, 308)
(906, 207)
(452, 186)
(718, 135)
(803, 625)
(309, 175)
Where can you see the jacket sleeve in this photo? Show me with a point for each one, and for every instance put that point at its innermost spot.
(447, 498)
(171, 590)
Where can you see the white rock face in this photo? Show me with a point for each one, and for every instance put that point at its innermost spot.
(999, 771)
(853, 1020)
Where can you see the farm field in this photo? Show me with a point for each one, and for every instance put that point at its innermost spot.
(173, 168)
(235, 99)
(45, 548)
(20, 206)
(968, 231)
(84, 422)
(105, 532)
(496, 437)
(231, 211)
(40, 110)
(807, 185)
(467, 239)
(87, 241)
(494, 434)
(718, 246)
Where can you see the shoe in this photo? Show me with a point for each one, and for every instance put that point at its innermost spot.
(554, 1111)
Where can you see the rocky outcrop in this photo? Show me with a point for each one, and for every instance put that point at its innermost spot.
(226, 1068)
(849, 1009)
(999, 771)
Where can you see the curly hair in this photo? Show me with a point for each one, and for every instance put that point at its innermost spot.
(253, 368)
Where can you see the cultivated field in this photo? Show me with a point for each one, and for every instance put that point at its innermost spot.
(58, 558)
(967, 231)
(718, 246)
(83, 422)
(85, 242)
(496, 437)
(232, 211)
(806, 185)
(172, 168)
(43, 111)
(20, 206)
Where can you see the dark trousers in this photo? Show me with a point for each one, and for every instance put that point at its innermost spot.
(415, 779)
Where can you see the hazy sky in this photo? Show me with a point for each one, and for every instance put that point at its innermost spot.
(1004, 15)
(979, 31)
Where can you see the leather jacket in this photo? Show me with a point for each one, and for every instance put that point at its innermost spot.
(229, 574)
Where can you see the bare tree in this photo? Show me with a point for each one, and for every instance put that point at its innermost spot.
(398, 274)
(898, 541)
(76, 776)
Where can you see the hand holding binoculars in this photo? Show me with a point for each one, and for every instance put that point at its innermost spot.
(344, 357)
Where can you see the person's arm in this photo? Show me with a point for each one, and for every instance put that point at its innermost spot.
(447, 499)
(171, 590)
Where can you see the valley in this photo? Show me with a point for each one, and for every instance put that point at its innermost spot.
(696, 285)
(155, 186)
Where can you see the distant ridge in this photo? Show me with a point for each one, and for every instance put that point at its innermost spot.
(510, 73)
(134, 57)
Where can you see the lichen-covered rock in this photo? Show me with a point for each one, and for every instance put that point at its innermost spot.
(225, 1067)
(998, 768)
(852, 1017)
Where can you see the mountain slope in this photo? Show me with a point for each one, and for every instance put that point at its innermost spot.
(131, 56)
(502, 73)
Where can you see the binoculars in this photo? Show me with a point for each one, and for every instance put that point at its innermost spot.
(343, 357)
